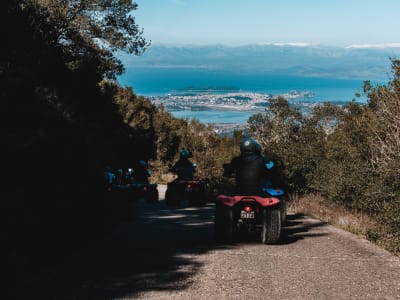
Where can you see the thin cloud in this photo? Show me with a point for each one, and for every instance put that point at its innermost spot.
(374, 46)
(293, 44)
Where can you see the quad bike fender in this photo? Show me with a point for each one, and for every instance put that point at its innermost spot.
(274, 192)
(143, 185)
(192, 182)
(232, 200)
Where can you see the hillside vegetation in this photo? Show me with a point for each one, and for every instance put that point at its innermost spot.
(348, 154)
(64, 118)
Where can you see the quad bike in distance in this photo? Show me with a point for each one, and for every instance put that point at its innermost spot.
(147, 191)
(193, 191)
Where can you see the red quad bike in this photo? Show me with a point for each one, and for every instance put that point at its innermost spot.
(249, 214)
(192, 190)
(147, 191)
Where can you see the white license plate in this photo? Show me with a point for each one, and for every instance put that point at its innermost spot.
(246, 215)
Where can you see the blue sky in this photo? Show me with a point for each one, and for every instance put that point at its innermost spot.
(234, 22)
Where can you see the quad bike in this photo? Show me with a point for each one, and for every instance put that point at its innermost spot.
(119, 203)
(192, 190)
(147, 191)
(247, 214)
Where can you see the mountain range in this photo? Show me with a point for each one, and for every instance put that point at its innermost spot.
(304, 60)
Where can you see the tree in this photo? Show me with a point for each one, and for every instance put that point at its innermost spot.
(277, 123)
(91, 31)
(138, 113)
(57, 124)
(385, 128)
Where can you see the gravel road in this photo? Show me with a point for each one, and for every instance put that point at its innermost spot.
(169, 253)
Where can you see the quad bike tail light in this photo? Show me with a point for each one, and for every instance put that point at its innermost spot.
(145, 188)
(189, 186)
(247, 209)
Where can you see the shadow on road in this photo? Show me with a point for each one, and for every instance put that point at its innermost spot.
(297, 228)
(156, 251)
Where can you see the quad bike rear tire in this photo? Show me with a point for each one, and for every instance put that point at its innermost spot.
(169, 197)
(224, 224)
(283, 209)
(199, 198)
(271, 226)
(152, 196)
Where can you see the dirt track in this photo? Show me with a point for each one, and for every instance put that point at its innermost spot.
(169, 253)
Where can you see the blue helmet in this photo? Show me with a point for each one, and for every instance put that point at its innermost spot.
(184, 154)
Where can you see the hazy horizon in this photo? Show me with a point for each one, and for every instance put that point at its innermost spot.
(233, 22)
(304, 61)
(280, 44)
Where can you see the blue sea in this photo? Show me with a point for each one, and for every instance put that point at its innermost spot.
(159, 82)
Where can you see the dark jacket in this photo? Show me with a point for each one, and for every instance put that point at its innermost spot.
(184, 168)
(249, 169)
(142, 174)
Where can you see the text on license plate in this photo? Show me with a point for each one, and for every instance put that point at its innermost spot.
(247, 215)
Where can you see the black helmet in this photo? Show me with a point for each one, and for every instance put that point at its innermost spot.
(249, 145)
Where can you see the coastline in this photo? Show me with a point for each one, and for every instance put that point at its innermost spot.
(227, 129)
(230, 108)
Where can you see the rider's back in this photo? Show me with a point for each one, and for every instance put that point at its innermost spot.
(141, 173)
(184, 169)
(249, 170)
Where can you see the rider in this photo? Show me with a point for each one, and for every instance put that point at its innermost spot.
(109, 177)
(129, 176)
(184, 168)
(142, 173)
(249, 168)
(119, 177)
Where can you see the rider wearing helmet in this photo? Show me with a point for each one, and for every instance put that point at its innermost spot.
(120, 178)
(109, 177)
(142, 173)
(184, 168)
(129, 176)
(249, 168)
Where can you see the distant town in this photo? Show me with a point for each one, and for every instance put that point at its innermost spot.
(215, 100)
(229, 99)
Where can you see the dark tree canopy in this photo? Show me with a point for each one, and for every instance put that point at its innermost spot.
(58, 128)
(90, 30)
